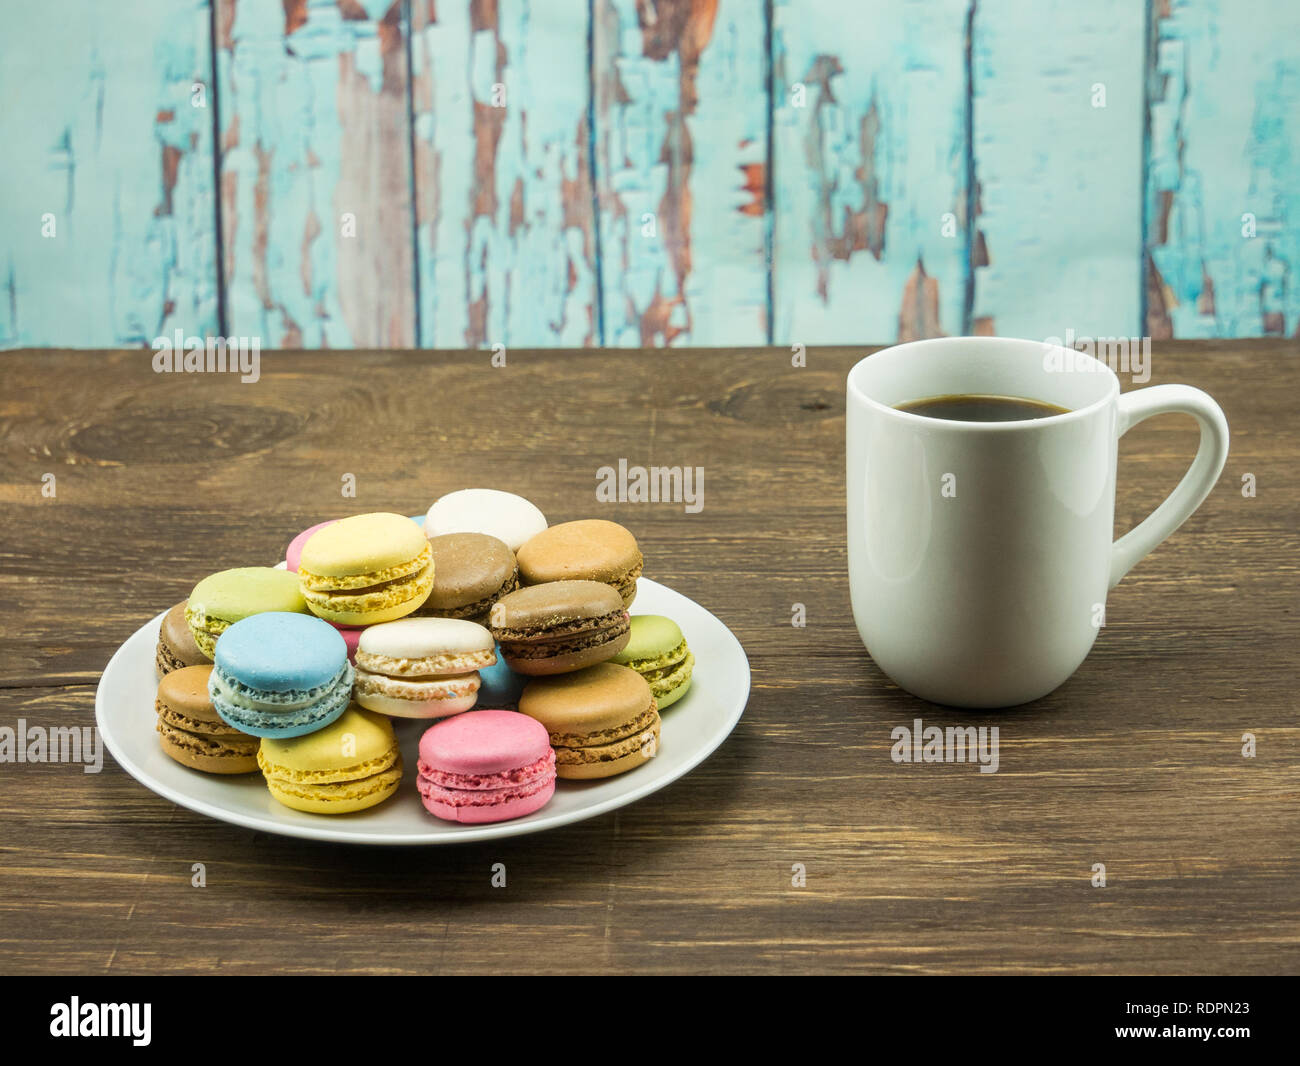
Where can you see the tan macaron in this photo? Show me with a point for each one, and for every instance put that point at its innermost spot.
(559, 627)
(590, 550)
(176, 645)
(602, 720)
(192, 733)
(471, 571)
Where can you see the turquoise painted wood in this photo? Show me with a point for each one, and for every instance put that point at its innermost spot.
(107, 210)
(869, 162)
(316, 205)
(580, 172)
(506, 242)
(1223, 185)
(1059, 218)
(680, 161)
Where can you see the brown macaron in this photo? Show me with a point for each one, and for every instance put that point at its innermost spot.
(193, 734)
(602, 720)
(589, 550)
(176, 646)
(471, 571)
(559, 627)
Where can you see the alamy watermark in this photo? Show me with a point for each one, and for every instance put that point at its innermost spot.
(75, 1018)
(1123, 355)
(932, 743)
(653, 484)
(180, 354)
(79, 744)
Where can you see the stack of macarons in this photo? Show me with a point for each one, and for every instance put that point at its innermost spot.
(379, 619)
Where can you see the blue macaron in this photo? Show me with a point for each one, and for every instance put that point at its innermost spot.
(499, 686)
(280, 675)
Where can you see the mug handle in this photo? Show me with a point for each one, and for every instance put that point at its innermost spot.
(1135, 407)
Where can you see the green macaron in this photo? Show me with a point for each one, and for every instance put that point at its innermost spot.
(658, 652)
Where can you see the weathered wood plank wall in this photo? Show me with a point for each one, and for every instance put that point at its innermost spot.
(506, 243)
(681, 154)
(1057, 114)
(1223, 185)
(107, 208)
(870, 172)
(315, 172)
(646, 172)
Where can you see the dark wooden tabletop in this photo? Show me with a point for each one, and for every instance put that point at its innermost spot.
(1136, 763)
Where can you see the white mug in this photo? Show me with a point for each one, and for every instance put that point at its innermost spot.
(980, 553)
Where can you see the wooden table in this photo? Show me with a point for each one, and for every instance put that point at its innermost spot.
(1135, 763)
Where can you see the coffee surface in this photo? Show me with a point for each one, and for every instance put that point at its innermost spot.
(972, 407)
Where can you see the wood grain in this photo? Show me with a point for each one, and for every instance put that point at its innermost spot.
(1134, 763)
(870, 161)
(1222, 196)
(317, 218)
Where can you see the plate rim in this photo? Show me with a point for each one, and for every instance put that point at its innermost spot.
(466, 834)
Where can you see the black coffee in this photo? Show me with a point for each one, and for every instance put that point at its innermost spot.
(972, 407)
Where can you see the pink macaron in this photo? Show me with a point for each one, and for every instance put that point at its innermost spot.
(486, 766)
(293, 553)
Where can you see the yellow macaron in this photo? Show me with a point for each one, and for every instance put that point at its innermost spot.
(366, 569)
(347, 766)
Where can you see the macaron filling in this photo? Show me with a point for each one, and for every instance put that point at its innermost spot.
(666, 678)
(236, 693)
(234, 745)
(462, 799)
(626, 585)
(639, 745)
(440, 664)
(377, 778)
(476, 610)
(646, 720)
(532, 774)
(372, 579)
(548, 641)
(415, 690)
(371, 596)
(277, 714)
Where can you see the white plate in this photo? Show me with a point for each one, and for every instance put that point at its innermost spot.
(692, 728)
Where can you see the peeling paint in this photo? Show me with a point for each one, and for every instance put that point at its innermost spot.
(316, 174)
(870, 157)
(1059, 209)
(105, 138)
(901, 208)
(505, 232)
(1224, 114)
(681, 152)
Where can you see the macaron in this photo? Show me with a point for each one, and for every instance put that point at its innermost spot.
(601, 721)
(293, 553)
(658, 652)
(421, 667)
(190, 730)
(350, 765)
(176, 645)
(486, 766)
(471, 571)
(559, 626)
(222, 599)
(280, 675)
(366, 569)
(589, 550)
(499, 686)
(503, 515)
